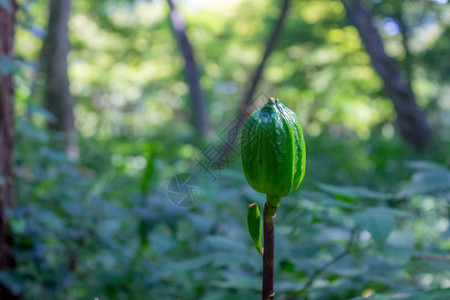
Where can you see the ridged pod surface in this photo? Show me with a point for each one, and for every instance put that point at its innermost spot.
(273, 150)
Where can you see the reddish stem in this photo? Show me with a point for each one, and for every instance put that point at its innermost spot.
(269, 238)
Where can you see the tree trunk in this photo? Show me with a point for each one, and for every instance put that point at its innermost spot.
(412, 123)
(58, 99)
(7, 21)
(199, 112)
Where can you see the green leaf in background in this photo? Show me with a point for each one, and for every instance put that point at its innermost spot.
(420, 165)
(398, 247)
(398, 213)
(287, 286)
(54, 155)
(18, 226)
(430, 295)
(352, 192)
(325, 199)
(191, 263)
(240, 282)
(40, 111)
(32, 132)
(426, 182)
(376, 222)
(226, 243)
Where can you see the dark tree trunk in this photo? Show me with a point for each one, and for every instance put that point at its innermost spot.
(7, 21)
(412, 123)
(58, 99)
(199, 112)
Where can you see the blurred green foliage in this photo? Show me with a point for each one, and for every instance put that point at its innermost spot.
(103, 226)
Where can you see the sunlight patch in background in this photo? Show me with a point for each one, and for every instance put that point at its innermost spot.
(218, 6)
(390, 26)
(145, 85)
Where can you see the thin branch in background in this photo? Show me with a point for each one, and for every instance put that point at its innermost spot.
(405, 35)
(269, 48)
(199, 112)
(412, 123)
(335, 259)
(270, 45)
(433, 257)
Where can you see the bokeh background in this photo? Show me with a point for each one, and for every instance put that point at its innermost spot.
(115, 98)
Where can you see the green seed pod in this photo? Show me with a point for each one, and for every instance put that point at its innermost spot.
(255, 225)
(273, 151)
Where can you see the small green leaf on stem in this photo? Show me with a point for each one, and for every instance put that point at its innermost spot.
(255, 226)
